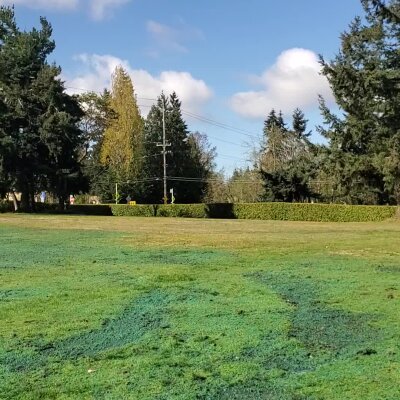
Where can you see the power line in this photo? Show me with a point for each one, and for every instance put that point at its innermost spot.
(221, 124)
(201, 118)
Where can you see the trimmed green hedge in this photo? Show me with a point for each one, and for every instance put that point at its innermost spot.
(159, 210)
(314, 212)
(263, 211)
(90, 209)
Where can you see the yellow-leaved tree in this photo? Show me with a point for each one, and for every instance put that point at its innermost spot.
(122, 145)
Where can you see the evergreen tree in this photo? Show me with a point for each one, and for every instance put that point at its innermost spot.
(363, 153)
(274, 121)
(39, 122)
(300, 124)
(286, 161)
(122, 145)
(183, 158)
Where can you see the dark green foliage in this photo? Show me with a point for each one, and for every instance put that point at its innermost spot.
(289, 185)
(5, 206)
(184, 157)
(86, 209)
(274, 121)
(299, 123)
(39, 132)
(287, 160)
(363, 156)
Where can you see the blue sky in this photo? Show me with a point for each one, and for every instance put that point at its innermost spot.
(229, 61)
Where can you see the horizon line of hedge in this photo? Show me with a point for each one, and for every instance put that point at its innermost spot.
(318, 212)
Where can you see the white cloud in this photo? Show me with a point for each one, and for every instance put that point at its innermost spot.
(46, 4)
(193, 93)
(293, 81)
(166, 37)
(98, 9)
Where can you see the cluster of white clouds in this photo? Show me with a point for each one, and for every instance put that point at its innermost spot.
(193, 93)
(98, 8)
(294, 80)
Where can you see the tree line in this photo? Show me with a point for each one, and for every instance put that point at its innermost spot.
(60, 143)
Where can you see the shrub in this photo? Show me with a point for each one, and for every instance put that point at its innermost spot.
(313, 212)
(263, 211)
(90, 209)
(6, 206)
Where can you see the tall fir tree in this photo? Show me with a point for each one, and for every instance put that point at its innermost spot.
(39, 123)
(286, 160)
(363, 154)
(299, 124)
(183, 158)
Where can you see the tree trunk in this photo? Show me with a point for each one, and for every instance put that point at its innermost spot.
(25, 203)
(31, 201)
(61, 202)
(14, 200)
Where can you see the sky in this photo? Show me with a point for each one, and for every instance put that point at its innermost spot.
(230, 62)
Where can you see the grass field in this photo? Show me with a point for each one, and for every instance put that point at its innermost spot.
(136, 308)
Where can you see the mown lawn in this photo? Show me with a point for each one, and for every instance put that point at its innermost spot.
(136, 308)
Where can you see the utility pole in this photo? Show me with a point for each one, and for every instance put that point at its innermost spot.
(164, 146)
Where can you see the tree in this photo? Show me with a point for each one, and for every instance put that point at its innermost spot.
(363, 152)
(98, 116)
(39, 122)
(245, 186)
(286, 160)
(122, 144)
(274, 121)
(300, 124)
(186, 173)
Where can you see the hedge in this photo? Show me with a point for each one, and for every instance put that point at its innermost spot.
(264, 211)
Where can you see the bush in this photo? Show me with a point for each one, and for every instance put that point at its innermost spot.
(159, 210)
(313, 212)
(89, 209)
(263, 211)
(6, 206)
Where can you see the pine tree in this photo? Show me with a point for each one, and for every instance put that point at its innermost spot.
(364, 145)
(274, 121)
(183, 158)
(286, 160)
(39, 123)
(300, 124)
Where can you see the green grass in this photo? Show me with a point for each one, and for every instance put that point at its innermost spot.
(137, 308)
